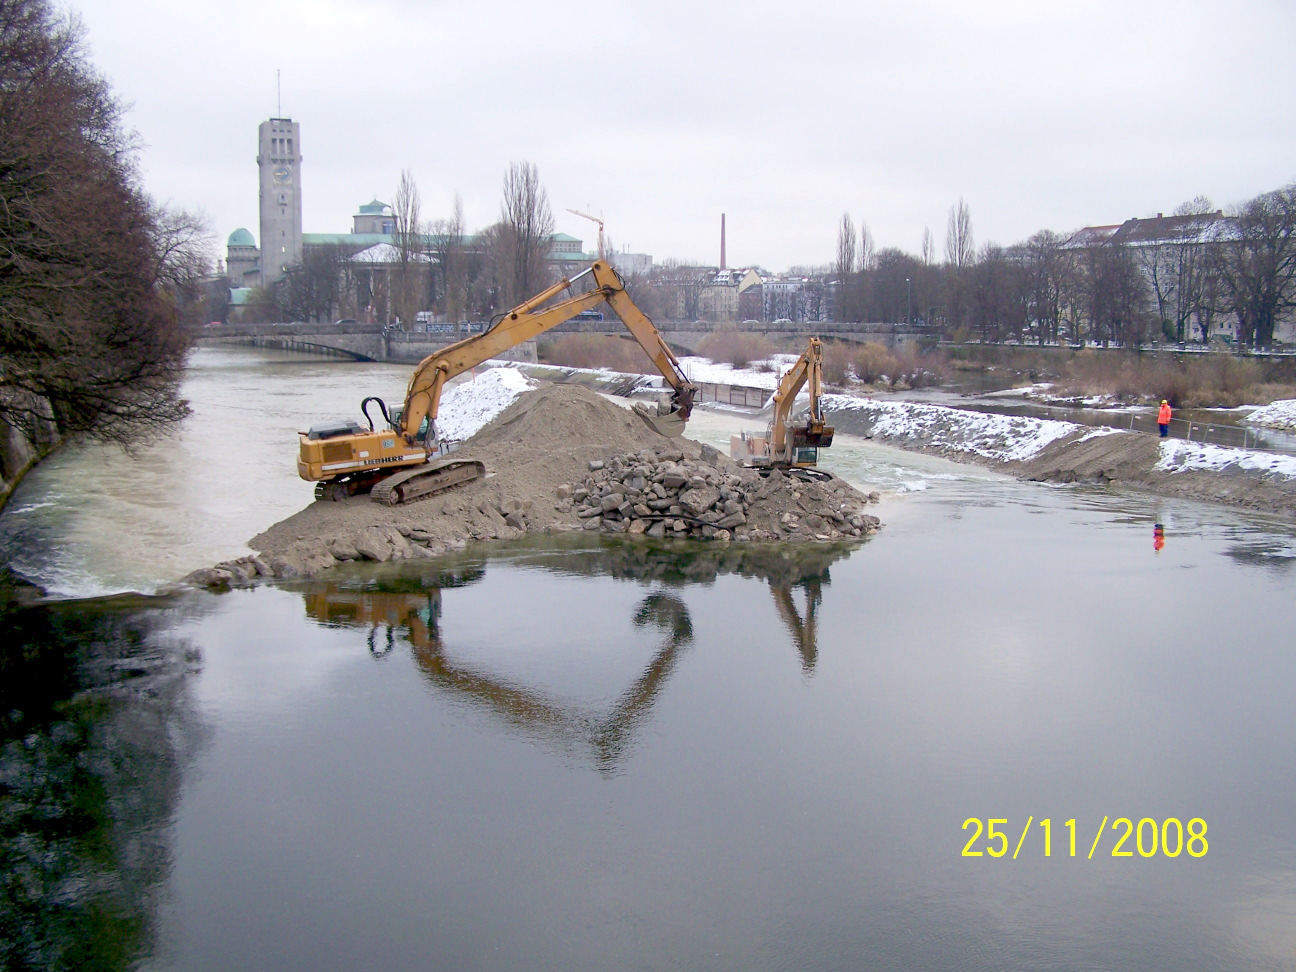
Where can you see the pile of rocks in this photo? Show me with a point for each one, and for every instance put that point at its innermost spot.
(660, 493)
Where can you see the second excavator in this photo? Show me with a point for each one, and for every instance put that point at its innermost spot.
(788, 446)
(403, 460)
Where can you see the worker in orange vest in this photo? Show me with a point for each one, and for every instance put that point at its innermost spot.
(1163, 418)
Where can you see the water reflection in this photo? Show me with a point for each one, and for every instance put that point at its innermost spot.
(407, 607)
(96, 730)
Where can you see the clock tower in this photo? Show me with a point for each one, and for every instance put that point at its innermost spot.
(279, 160)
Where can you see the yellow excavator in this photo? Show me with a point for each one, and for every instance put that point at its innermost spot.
(403, 461)
(791, 448)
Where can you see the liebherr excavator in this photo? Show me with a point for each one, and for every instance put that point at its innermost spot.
(794, 449)
(403, 461)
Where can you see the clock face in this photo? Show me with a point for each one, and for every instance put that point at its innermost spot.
(282, 174)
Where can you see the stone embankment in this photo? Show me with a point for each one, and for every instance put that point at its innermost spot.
(561, 459)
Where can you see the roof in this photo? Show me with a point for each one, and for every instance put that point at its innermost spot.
(563, 238)
(1091, 236)
(241, 237)
(1165, 230)
(375, 208)
(384, 253)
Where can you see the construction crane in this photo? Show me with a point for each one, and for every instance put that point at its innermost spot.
(593, 219)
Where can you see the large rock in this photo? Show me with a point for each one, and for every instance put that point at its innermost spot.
(372, 545)
(699, 499)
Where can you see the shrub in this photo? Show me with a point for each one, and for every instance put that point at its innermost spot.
(837, 361)
(734, 347)
(872, 362)
(594, 351)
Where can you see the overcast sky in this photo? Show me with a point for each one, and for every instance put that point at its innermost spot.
(662, 115)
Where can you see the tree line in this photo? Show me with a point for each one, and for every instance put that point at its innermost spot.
(1234, 267)
(95, 277)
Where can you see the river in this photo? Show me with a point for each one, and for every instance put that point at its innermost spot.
(572, 754)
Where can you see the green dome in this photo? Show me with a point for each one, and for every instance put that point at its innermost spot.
(374, 208)
(241, 237)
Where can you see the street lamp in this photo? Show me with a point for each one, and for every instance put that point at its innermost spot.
(908, 300)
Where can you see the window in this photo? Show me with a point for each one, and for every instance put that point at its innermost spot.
(290, 151)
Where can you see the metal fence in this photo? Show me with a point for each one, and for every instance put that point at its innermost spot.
(732, 394)
(1208, 432)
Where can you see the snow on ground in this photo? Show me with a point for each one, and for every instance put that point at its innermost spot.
(1025, 391)
(1279, 415)
(468, 405)
(697, 369)
(1006, 438)
(1098, 432)
(1180, 456)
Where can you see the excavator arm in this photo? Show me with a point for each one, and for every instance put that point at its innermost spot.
(527, 320)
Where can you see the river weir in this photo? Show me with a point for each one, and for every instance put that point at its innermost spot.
(602, 752)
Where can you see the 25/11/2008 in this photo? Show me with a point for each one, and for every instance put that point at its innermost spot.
(1170, 836)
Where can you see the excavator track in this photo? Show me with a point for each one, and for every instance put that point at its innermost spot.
(425, 480)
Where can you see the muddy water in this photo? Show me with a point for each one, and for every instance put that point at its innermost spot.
(557, 756)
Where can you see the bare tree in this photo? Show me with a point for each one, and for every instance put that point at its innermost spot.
(866, 249)
(1117, 296)
(845, 268)
(410, 266)
(928, 247)
(183, 245)
(683, 283)
(1257, 267)
(87, 340)
(1047, 268)
(447, 240)
(526, 233)
(960, 251)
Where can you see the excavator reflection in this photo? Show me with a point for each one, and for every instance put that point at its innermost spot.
(407, 609)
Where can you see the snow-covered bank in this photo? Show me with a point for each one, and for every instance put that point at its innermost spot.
(1279, 415)
(1180, 456)
(999, 438)
(699, 369)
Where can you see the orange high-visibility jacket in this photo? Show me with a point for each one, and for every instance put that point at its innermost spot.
(1163, 416)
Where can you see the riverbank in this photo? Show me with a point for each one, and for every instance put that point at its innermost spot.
(1047, 450)
(19, 453)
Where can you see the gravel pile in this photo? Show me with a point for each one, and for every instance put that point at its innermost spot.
(660, 493)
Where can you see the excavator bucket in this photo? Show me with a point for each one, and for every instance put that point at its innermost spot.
(669, 425)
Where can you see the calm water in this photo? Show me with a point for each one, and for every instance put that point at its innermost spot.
(572, 756)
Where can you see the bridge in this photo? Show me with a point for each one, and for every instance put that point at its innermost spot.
(375, 342)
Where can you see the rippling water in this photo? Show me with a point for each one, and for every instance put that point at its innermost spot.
(559, 755)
